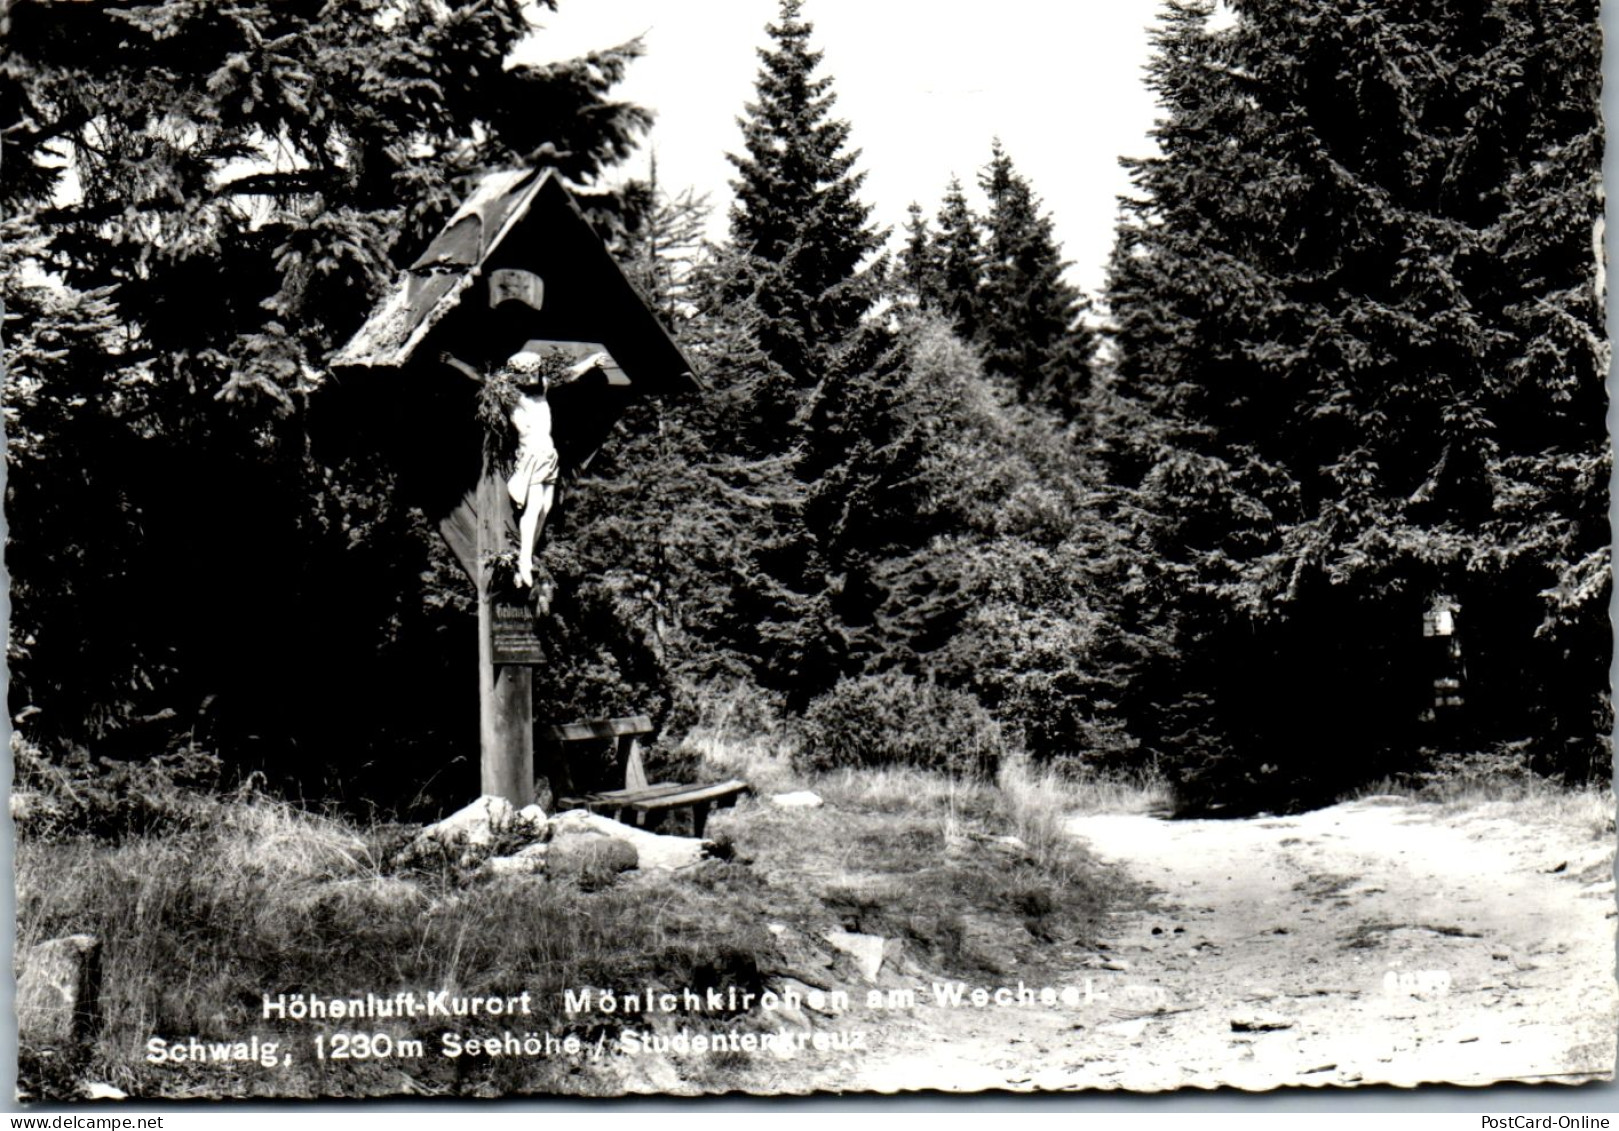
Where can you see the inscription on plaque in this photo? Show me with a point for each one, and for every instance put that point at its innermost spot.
(510, 285)
(514, 633)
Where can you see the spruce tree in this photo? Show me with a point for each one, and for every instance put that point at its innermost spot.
(1030, 319)
(1359, 367)
(960, 257)
(918, 281)
(797, 216)
(964, 546)
(663, 246)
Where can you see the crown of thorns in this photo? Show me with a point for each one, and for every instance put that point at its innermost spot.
(525, 363)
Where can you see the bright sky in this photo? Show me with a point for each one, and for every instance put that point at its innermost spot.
(925, 84)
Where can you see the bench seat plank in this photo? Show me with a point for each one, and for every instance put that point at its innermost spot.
(626, 796)
(690, 795)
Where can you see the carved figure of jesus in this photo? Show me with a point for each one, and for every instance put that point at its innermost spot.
(533, 483)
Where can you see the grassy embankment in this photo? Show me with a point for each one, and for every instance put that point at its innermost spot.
(255, 897)
(1531, 799)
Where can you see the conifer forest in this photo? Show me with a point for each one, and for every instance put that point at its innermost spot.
(1312, 493)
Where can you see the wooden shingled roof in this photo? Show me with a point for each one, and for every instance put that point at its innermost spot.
(526, 220)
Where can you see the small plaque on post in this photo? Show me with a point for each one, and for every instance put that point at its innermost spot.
(513, 632)
(512, 285)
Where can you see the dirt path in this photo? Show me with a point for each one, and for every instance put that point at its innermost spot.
(1378, 941)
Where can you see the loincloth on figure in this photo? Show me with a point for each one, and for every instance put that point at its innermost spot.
(534, 469)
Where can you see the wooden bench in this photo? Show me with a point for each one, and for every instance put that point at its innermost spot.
(638, 802)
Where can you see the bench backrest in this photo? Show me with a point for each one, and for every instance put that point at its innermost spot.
(625, 731)
(586, 729)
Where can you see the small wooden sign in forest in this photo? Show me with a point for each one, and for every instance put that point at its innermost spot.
(490, 375)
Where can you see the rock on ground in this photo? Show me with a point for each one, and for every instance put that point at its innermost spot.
(801, 799)
(867, 950)
(1259, 1021)
(58, 991)
(528, 861)
(533, 816)
(568, 843)
(582, 853)
(652, 851)
(473, 830)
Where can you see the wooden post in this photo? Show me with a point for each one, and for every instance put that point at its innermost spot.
(506, 692)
